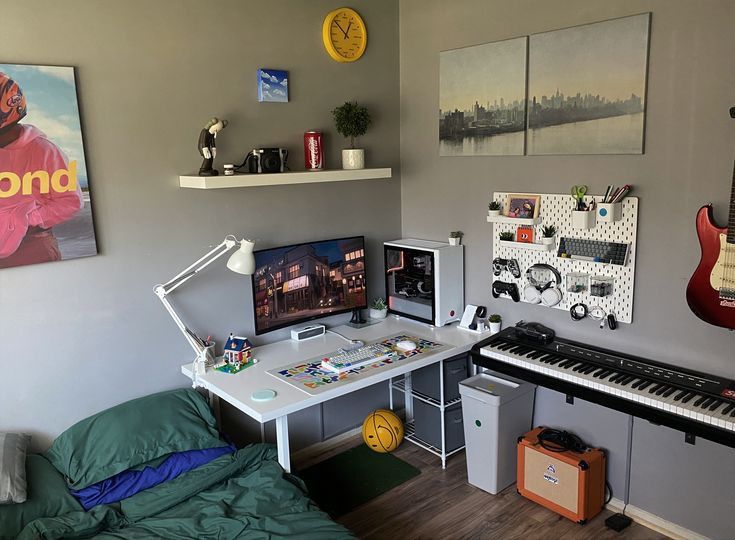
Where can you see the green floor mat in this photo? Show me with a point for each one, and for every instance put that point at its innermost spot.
(347, 480)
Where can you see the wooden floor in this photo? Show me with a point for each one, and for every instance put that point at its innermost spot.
(440, 504)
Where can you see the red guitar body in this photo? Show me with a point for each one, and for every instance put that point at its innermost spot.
(703, 299)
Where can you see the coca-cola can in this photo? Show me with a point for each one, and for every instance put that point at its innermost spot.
(313, 151)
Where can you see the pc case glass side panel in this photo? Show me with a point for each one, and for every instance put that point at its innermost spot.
(409, 282)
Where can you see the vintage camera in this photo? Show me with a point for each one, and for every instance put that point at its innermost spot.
(267, 160)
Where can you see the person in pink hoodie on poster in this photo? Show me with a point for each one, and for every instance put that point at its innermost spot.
(28, 214)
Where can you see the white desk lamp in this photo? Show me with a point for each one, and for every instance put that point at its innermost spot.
(242, 262)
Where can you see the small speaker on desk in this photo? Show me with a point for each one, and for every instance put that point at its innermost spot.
(308, 332)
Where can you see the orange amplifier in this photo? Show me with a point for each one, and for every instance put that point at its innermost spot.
(569, 483)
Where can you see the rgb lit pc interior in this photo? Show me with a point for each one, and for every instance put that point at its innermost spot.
(302, 282)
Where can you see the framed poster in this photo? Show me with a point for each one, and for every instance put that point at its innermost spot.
(45, 205)
(587, 88)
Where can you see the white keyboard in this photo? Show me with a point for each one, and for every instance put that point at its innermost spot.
(367, 354)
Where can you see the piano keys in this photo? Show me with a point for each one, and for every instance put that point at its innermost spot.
(692, 402)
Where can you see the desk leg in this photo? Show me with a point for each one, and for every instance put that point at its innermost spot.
(284, 455)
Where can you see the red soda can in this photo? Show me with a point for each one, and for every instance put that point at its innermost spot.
(313, 151)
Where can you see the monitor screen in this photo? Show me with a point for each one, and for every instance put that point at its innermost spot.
(306, 281)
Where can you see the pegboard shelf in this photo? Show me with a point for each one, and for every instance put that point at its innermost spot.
(526, 245)
(515, 220)
(556, 210)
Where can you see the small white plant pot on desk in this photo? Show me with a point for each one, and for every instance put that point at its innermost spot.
(353, 159)
(495, 327)
(548, 240)
(378, 313)
(455, 241)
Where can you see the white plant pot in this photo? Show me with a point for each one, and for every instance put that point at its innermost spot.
(493, 213)
(548, 240)
(353, 158)
(378, 313)
(454, 241)
(495, 327)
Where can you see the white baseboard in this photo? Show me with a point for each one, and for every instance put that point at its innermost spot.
(654, 522)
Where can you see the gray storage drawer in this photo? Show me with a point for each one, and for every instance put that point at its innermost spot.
(427, 425)
(426, 380)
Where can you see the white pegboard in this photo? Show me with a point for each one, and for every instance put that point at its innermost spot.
(556, 210)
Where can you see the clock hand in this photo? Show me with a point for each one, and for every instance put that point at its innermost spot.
(340, 28)
(348, 29)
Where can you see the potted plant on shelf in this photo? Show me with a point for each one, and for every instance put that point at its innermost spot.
(495, 321)
(506, 236)
(455, 238)
(548, 233)
(378, 309)
(493, 209)
(352, 120)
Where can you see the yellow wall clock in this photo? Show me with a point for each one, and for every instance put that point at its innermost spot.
(344, 35)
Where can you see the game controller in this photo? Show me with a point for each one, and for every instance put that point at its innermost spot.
(511, 265)
(502, 287)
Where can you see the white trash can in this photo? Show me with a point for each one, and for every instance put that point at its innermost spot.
(497, 409)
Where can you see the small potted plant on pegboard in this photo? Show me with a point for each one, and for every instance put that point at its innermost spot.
(548, 234)
(378, 309)
(493, 209)
(455, 238)
(506, 236)
(495, 321)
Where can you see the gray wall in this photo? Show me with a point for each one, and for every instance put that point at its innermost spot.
(79, 336)
(688, 162)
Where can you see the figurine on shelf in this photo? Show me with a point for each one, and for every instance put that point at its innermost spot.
(207, 145)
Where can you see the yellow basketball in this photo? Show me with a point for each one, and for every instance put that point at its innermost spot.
(382, 431)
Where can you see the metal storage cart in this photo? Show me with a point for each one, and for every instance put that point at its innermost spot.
(439, 403)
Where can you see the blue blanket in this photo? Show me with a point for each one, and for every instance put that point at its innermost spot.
(128, 483)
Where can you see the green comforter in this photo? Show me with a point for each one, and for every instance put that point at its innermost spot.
(244, 495)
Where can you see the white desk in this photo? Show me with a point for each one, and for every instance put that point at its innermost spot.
(237, 389)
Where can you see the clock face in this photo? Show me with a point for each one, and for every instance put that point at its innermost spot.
(344, 35)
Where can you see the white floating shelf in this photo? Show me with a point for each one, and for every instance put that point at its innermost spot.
(526, 245)
(517, 221)
(277, 179)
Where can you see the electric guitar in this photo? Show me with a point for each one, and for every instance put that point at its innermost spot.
(711, 290)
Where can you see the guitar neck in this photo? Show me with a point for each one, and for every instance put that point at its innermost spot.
(731, 219)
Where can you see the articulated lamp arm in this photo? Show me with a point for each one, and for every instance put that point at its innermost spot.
(242, 261)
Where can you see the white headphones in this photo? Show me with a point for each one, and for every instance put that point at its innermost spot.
(549, 294)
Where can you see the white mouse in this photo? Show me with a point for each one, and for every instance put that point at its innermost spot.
(406, 345)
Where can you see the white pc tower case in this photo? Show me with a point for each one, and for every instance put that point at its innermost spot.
(424, 280)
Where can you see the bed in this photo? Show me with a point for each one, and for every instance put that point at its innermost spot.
(239, 494)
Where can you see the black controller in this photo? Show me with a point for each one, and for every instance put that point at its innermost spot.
(511, 265)
(511, 289)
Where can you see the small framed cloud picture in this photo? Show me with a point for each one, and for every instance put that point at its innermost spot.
(272, 85)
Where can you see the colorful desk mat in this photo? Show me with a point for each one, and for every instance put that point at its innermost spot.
(312, 379)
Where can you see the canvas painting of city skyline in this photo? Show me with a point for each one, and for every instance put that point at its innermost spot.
(586, 88)
(482, 90)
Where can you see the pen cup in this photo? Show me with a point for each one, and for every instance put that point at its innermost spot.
(607, 212)
(582, 219)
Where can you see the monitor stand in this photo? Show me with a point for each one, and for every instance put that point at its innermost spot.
(358, 322)
(357, 317)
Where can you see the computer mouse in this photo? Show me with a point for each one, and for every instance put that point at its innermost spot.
(406, 345)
